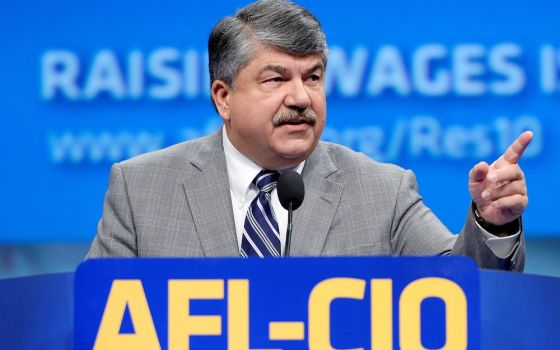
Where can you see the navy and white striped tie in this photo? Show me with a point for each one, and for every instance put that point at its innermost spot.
(261, 236)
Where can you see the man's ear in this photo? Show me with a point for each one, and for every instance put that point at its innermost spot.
(220, 92)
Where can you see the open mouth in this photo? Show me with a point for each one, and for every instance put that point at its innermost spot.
(296, 122)
(300, 121)
(295, 118)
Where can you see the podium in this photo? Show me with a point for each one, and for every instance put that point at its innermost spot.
(295, 303)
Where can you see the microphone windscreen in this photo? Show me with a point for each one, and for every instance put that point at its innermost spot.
(290, 189)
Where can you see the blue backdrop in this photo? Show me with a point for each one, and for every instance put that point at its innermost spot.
(431, 86)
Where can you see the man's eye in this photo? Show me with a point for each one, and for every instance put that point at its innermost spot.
(273, 80)
(314, 78)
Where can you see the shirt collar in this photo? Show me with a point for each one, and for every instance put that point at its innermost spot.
(241, 170)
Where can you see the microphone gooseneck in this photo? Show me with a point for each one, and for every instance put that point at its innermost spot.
(291, 193)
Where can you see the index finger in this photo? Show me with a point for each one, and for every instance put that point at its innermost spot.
(515, 151)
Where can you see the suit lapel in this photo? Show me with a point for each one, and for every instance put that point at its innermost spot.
(208, 195)
(312, 220)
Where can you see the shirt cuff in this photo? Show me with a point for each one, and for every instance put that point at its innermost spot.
(502, 247)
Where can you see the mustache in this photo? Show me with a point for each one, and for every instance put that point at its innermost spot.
(306, 115)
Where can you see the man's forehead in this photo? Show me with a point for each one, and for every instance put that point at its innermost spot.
(283, 62)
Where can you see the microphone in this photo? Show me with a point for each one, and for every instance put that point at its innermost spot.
(291, 192)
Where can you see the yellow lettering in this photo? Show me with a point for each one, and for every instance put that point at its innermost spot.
(455, 312)
(181, 323)
(238, 314)
(123, 293)
(319, 307)
(286, 331)
(382, 314)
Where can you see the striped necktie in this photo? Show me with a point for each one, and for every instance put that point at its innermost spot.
(261, 236)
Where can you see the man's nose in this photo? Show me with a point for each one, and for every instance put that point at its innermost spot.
(297, 96)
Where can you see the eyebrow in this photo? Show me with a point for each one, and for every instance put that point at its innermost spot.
(283, 70)
(316, 66)
(275, 68)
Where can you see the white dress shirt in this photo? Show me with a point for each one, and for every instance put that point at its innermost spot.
(241, 172)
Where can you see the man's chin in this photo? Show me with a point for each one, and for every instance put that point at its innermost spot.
(296, 153)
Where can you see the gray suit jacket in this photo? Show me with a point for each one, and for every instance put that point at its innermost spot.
(176, 202)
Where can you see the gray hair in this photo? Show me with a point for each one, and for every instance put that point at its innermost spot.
(281, 24)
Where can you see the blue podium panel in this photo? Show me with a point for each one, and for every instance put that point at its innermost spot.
(36, 312)
(519, 311)
(297, 303)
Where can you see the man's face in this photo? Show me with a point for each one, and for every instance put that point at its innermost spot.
(276, 113)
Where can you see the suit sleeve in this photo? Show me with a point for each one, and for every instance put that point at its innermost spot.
(116, 236)
(471, 242)
(417, 231)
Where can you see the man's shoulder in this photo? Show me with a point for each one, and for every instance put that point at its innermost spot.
(352, 165)
(178, 156)
(348, 160)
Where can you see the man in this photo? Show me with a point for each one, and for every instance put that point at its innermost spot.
(216, 196)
